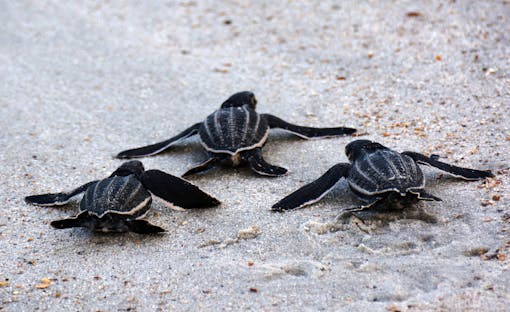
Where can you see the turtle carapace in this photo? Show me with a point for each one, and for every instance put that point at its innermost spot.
(118, 202)
(235, 134)
(376, 173)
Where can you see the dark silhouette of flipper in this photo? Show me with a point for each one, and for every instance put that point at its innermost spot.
(176, 191)
(260, 166)
(315, 190)
(57, 199)
(157, 148)
(70, 222)
(206, 165)
(143, 227)
(464, 173)
(306, 132)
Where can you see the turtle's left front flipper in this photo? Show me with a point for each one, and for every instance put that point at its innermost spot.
(465, 173)
(176, 191)
(306, 132)
(160, 147)
(57, 199)
(314, 191)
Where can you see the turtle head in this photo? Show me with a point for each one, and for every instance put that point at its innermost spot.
(129, 167)
(241, 98)
(354, 149)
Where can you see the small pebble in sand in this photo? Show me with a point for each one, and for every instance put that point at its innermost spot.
(249, 233)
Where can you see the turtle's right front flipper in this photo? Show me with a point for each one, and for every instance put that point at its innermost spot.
(157, 148)
(176, 191)
(465, 173)
(314, 191)
(306, 132)
(57, 199)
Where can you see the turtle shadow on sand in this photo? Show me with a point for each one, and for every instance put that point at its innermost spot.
(386, 213)
(368, 220)
(83, 241)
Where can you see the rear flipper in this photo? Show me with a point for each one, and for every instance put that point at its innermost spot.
(368, 202)
(306, 132)
(80, 220)
(157, 148)
(57, 199)
(425, 196)
(176, 191)
(143, 227)
(260, 166)
(465, 173)
(206, 165)
(314, 191)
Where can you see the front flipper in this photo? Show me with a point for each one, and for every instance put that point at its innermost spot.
(206, 165)
(465, 173)
(314, 191)
(143, 227)
(57, 199)
(260, 166)
(306, 132)
(176, 191)
(76, 221)
(161, 146)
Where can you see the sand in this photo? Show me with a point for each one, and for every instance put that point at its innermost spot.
(81, 82)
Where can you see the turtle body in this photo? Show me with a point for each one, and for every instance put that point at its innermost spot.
(235, 134)
(118, 202)
(376, 174)
(378, 170)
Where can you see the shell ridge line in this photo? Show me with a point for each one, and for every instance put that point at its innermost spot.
(110, 193)
(120, 190)
(132, 194)
(137, 208)
(208, 128)
(390, 165)
(364, 175)
(403, 168)
(246, 125)
(231, 127)
(256, 126)
(410, 167)
(217, 127)
(371, 164)
(96, 194)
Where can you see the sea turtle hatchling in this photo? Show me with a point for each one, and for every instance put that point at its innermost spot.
(376, 173)
(117, 203)
(234, 135)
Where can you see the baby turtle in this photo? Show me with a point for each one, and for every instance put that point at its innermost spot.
(117, 203)
(234, 135)
(377, 173)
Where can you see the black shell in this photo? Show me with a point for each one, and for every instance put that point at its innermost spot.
(233, 129)
(124, 194)
(385, 170)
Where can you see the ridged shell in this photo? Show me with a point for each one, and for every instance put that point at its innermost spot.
(385, 170)
(124, 194)
(233, 129)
